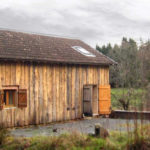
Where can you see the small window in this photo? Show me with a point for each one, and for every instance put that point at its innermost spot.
(9, 97)
(83, 51)
(12, 95)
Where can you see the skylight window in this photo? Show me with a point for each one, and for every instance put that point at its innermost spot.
(83, 51)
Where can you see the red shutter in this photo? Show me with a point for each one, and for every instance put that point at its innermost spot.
(22, 98)
(1, 99)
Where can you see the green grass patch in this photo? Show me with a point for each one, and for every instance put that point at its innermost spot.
(137, 140)
(63, 142)
(135, 98)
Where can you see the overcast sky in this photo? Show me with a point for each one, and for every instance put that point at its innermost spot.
(93, 21)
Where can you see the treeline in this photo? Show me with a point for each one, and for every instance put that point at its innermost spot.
(133, 69)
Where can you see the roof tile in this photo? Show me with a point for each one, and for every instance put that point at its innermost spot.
(33, 47)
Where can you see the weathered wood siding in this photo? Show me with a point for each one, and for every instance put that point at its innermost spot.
(54, 91)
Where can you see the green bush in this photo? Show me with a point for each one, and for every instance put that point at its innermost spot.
(3, 134)
(140, 139)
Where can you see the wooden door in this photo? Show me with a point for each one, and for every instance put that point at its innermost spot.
(104, 100)
(87, 100)
(95, 100)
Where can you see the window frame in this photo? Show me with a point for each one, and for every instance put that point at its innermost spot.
(83, 51)
(7, 96)
(14, 88)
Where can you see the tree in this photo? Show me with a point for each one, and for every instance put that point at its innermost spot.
(133, 69)
(129, 64)
(104, 49)
(144, 57)
(126, 73)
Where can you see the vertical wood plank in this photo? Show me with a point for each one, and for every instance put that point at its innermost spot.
(40, 87)
(49, 94)
(44, 95)
(51, 90)
(13, 82)
(60, 93)
(1, 112)
(54, 94)
(22, 86)
(65, 93)
(36, 95)
(57, 93)
(73, 74)
(78, 92)
(18, 76)
(26, 81)
(31, 110)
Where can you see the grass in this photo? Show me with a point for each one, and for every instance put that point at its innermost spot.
(73, 141)
(76, 141)
(139, 139)
(3, 134)
(135, 100)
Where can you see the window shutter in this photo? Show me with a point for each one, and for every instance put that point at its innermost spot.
(104, 99)
(1, 99)
(22, 98)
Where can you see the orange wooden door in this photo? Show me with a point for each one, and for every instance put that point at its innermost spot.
(104, 99)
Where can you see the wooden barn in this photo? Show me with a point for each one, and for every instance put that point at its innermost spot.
(45, 79)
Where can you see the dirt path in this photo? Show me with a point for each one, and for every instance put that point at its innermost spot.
(83, 126)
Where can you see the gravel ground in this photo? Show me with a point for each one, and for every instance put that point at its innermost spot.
(83, 126)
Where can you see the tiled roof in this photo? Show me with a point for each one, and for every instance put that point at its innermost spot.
(18, 46)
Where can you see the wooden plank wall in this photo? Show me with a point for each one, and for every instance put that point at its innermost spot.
(54, 92)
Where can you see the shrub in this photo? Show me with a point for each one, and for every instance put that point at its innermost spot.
(140, 143)
(3, 134)
(140, 139)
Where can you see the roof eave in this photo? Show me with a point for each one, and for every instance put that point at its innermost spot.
(53, 62)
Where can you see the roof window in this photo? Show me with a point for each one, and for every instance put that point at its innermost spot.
(83, 51)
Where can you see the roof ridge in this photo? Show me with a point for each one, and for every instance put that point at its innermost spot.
(37, 33)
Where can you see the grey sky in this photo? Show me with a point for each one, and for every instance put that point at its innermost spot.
(93, 21)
